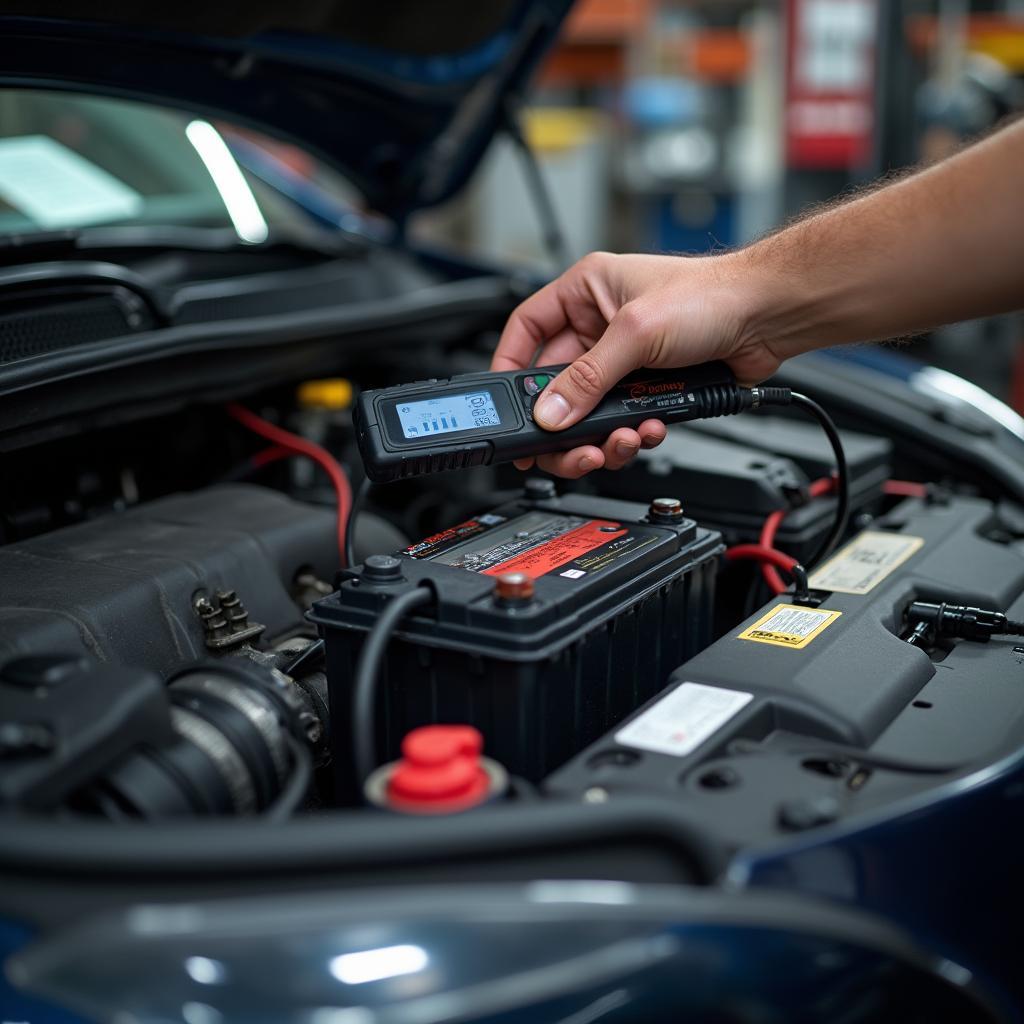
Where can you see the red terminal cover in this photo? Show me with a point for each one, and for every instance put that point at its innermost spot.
(440, 771)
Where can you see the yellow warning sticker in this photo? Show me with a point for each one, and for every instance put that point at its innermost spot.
(789, 625)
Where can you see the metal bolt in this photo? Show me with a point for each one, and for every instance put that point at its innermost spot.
(666, 510)
(513, 588)
(595, 795)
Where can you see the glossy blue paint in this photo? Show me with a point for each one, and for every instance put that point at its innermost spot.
(549, 951)
(16, 1006)
(946, 866)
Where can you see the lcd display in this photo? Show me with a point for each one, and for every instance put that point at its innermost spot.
(447, 414)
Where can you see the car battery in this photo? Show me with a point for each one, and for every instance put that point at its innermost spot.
(554, 618)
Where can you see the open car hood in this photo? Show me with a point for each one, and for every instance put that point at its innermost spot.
(403, 97)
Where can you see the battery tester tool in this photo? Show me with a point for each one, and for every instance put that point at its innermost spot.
(481, 418)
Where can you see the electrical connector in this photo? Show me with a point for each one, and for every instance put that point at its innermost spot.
(959, 621)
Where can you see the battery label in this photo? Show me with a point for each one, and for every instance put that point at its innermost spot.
(683, 719)
(429, 547)
(862, 564)
(789, 625)
(540, 543)
(554, 553)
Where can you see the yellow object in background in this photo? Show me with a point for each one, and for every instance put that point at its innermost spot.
(1006, 46)
(557, 129)
(332, 393)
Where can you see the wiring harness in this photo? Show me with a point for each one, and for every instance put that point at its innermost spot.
(286, 445)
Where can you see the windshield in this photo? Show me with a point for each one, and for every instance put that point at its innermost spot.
(70, 161)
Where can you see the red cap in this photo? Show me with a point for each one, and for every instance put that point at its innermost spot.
(440, 770)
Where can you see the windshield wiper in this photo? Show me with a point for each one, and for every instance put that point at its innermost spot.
(60, 243)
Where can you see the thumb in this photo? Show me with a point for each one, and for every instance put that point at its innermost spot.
(584, 382)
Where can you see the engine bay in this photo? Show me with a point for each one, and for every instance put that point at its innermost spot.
(226, 638)
(576, 679)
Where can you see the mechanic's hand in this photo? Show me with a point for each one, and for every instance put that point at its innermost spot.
(609, 315)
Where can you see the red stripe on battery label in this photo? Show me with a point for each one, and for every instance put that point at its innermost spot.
(553, 553)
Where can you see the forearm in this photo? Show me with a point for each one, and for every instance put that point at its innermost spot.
(946, 244)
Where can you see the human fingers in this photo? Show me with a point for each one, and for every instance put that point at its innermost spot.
(582, 384)
(532, 323)
(620, 448)
(652, 433)
(572, 464)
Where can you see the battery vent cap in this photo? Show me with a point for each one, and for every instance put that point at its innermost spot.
(441, 770)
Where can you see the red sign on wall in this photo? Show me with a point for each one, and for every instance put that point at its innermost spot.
(830, 82)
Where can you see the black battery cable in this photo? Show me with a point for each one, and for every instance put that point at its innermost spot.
(364, 684)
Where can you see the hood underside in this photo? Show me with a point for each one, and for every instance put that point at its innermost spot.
(403, 98)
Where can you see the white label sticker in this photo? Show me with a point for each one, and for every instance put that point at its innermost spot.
(865, 562)
(835, 45)
(573, 574)
(57, 188)
(683, 719)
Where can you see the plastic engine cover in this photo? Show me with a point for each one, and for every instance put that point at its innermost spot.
(746, 736)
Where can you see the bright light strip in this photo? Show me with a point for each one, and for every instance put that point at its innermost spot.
(930, 378)
(238, 199)
(377, 964)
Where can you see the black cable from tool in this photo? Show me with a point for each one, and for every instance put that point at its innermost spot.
(730, 399)
(842, 518)
(364, 685)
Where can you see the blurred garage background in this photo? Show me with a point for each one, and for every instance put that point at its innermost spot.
(668, 125)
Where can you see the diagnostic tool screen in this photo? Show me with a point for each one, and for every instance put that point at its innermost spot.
(447, 413)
